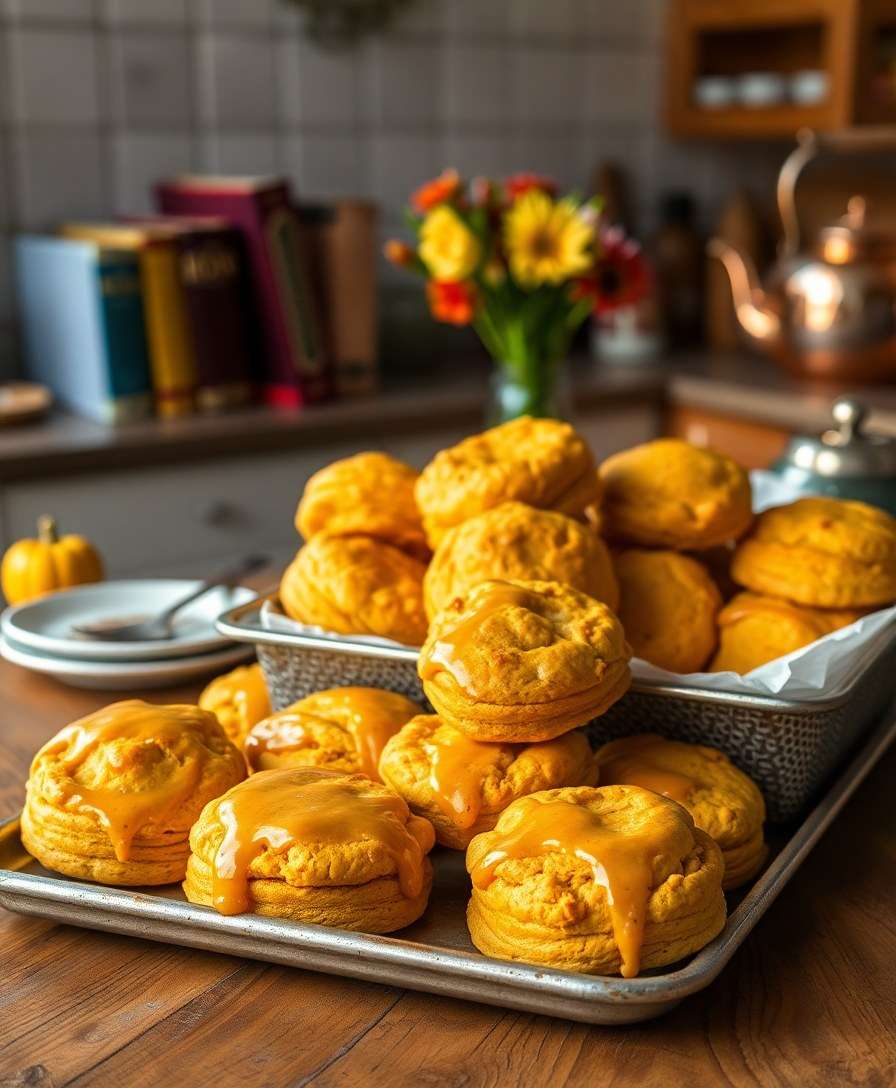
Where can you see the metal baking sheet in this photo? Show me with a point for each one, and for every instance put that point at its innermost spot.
(434, 954)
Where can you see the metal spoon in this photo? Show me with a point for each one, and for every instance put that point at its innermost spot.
(159, 627)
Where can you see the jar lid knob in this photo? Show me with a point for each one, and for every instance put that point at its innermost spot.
(849, 415)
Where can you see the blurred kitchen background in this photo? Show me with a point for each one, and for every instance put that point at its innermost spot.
(678, 113)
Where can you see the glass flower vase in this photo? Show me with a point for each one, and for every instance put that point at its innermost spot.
(534, 387)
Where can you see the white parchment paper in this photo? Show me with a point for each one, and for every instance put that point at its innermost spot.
(822, 670)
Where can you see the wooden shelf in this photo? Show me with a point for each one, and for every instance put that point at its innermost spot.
(852, 41)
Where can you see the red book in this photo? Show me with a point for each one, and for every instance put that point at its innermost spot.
(296, 369)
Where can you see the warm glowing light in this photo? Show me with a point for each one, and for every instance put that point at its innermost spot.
(838, 250)
(821, 293)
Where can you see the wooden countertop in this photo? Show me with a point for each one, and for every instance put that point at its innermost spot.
(448, 396)
(809, 1001)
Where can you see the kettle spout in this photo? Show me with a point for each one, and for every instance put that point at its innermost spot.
(757, 320)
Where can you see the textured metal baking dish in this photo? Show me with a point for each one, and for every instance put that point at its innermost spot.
(789, 747)
(434, 954)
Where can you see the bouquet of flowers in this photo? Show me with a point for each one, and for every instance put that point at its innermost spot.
(522, 265)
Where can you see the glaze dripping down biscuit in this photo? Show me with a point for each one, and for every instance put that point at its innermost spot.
(523, 661)
(341, 729)
(603, 881)
(313, 846)
(462, 785)
(112, 797)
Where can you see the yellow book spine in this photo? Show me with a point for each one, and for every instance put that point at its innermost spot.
(172, 361)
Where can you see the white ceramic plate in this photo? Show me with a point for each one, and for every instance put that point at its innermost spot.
(124, 675)
(45, 625)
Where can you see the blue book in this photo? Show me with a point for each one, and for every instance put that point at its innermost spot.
(82, 318)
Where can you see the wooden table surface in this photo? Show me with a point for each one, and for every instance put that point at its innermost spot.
(810, 1000)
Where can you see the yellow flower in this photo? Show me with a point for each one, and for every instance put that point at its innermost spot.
(547, 241)
(448, 248)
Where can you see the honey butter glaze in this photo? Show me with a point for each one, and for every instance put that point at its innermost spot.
(636, 761)
(369, 715)
(458, 769)
(277, 810)
(619, 853)
(448, 651)
(133, 764)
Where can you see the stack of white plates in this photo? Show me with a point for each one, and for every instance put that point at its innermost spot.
(39, 635)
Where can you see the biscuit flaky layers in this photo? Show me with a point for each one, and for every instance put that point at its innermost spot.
(723, 801)
(355, 585)
(668, 608)
(603, 881)
(670, 494)
(516, 541)
(341, 729)
(112, 797)
(461, 785)
(314, 846)
(370, 494)
(523, 661)
(541, 462)
(821, 552)
(754, 630)
(238, 699)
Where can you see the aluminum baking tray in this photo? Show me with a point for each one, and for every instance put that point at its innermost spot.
(789, 747)
(435, 954)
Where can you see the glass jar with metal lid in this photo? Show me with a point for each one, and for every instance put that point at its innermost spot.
(845, 461)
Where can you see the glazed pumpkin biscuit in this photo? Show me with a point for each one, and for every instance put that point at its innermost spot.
(462, 785)
(517, 541)
(670, 494)
(355, 585)
(668, 608)
(821, 552)
(754, 630)
(523, 661)
(313, 846)
(724, 802)
(541, 462)
(342, 729)
(112, 797)
(238, 699)
(603, 881)
(371, 494)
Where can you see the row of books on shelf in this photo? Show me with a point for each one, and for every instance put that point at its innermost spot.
(229, 295)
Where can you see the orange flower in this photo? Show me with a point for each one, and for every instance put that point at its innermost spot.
(399, 253)
(453, 303)
(437, 191)
(521, 183)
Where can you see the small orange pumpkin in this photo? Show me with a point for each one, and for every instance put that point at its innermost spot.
(32, 568)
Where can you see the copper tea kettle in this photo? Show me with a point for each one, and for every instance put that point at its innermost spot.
(829, 310)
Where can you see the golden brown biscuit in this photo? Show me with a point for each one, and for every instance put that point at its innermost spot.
(670, 494)
(238, 699)
(724, 802)
(462, 785)
(355, 585)
(342, 729)
(370, 494)
(314, 846)
(668, 608)
(517, 541)
(754, 630)
(541, 462)
(112, 797)
(523, 661)
(823, 552)
(603, 881)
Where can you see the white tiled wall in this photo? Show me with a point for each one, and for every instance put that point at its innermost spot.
(100, 97)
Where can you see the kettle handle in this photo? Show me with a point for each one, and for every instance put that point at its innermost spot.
(809, 145)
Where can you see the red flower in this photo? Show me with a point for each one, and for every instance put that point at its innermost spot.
(438, 191)
(399, 253)
(515, 186)
(621, 275)
(453, 303)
